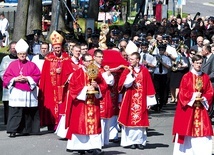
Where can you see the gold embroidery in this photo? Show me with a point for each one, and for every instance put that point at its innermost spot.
(197, 129)
(90, 116)
(91, 129)
(136, 105)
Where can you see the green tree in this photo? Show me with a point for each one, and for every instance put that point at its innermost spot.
(93, 9)
(61, 20)
(34, 20)
(28, 17)
(21, 20)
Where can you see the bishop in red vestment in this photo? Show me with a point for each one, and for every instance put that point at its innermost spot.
(56, 70)
(192, 126)
(139, 95)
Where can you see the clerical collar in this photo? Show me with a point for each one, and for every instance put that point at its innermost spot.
(98, 65)
(195, 72)
(75, 60)
(137, 69)
(13, 56)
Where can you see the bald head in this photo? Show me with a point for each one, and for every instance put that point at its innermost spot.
(200, 40)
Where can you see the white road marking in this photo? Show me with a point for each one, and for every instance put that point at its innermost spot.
(208, 4)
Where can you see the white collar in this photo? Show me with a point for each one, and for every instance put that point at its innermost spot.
(195, 72)
(137, 69)
(98, 65)
(75, 60)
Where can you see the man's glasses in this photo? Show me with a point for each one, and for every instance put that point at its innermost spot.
(88, 60)
(99, 56)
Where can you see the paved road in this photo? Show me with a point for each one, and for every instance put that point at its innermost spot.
(159, 139)
(205, 7)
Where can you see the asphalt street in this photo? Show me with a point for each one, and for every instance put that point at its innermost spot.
(159, 139)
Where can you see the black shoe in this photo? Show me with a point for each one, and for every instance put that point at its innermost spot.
(130, 147)
(90, 151)
(98, 152)
(25, 134)
(81, 152)
(68, 150)
(133, 146)
(114, 140)
(140, 146)
(12, 135)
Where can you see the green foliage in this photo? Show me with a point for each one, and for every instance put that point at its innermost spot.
(4, 50)
(133, 14)
(183, 14)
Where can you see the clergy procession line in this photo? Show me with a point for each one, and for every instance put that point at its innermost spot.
(86, 95)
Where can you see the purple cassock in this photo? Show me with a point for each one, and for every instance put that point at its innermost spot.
(25, 68)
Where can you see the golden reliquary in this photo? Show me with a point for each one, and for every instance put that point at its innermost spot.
(92, 72)
(198, 86)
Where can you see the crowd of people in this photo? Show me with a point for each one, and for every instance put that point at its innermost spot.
(86, 94)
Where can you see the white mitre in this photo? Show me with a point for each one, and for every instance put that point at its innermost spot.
(21, 46)
(131, 48)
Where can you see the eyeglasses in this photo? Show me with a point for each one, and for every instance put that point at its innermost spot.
(84, 49)
(88, 60)
(99, 56)
(192, 53)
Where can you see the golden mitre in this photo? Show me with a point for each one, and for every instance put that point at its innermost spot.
(56, 38)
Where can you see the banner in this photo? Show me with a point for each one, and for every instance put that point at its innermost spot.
(181, 2)
(158, 12)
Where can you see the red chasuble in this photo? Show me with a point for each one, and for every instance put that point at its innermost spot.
(114, 59)
(114, 92)
(133, 112)
(83, 117)
(52, 88)
(106, 105)
(193, 121)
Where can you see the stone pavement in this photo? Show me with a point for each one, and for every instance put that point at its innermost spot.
(159, 139)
